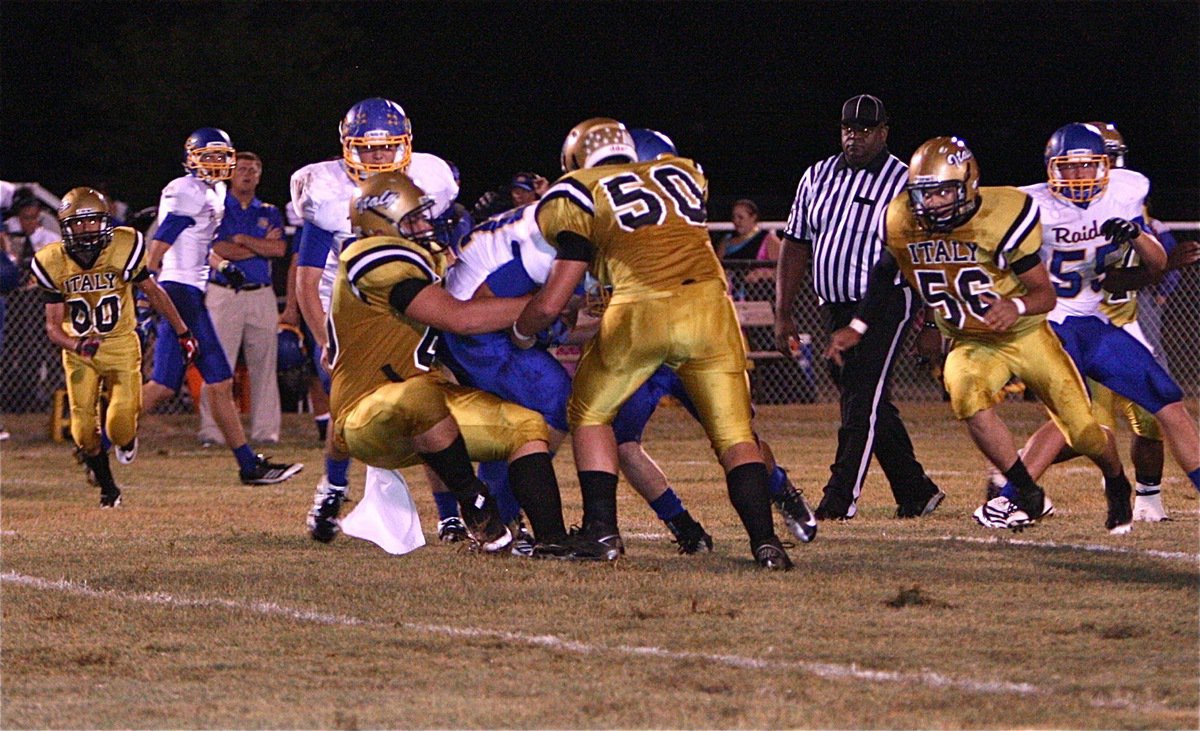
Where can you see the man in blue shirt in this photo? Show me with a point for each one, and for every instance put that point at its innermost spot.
(246, 316)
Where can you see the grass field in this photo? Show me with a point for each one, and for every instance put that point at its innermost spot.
(202, 603)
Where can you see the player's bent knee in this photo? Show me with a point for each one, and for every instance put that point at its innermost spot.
(1089, 440)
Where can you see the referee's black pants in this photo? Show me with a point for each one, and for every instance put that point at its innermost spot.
(870, 421)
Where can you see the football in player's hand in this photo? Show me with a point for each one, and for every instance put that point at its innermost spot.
(1119, 230)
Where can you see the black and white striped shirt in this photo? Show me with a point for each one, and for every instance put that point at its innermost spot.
(841, 211)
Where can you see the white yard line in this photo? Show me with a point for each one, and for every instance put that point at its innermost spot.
(1089, 547)
(832, 671)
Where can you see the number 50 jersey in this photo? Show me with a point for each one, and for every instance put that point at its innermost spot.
(952, 270)
(99, 300)
(646, 221)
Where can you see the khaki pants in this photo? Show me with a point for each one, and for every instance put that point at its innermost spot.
(247, 321)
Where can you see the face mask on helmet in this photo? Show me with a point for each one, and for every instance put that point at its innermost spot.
(376, 138)
(86, 224)
(597, 140)
(389, 204)
(943, 184)
(1077, 163)
(209, 155)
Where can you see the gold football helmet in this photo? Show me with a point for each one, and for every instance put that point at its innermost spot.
(596, 139)
(85, 217)
(940, 167)
(390, 204)
(1114, 143)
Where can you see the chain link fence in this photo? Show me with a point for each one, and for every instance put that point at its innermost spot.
(31, 368)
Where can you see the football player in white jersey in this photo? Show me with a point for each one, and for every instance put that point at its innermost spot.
(1092, 218)
(189, 214)
(376, 137)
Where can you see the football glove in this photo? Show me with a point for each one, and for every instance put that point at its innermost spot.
(235, 276)
(189, 346)
(87, 347)
(1119, 230)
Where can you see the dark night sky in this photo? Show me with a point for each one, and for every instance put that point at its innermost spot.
(104, 92)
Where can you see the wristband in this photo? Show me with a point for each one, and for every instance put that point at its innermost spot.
(1020, 305)
(184, 334)
(858, 326)
(517, 334)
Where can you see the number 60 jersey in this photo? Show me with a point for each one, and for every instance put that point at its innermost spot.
(951, 270)
(99, 300)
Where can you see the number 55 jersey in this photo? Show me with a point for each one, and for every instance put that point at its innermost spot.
(952, 270)
(1075, 251)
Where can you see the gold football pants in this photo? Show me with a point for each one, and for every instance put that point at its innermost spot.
(976, 370)
(116, 366)
(379, 427)
(692, 329)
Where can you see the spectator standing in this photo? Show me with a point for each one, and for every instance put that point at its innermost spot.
(246, 317)
(26, 232)
(837, 224)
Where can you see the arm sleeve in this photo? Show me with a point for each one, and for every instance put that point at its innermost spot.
(172, 225)
(315, 244)
(565, 216)
(405, 292)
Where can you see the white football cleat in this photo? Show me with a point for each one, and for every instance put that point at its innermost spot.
(1148, 507)
(125, 456)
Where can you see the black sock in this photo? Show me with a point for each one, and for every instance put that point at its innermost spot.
(453, 466)
(1029, 495)
(599, 498)
(1019, 476)
(1154, 480)
(535, 487)
(752, 500)
(100, 467)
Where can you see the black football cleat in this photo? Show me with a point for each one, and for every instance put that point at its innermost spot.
(771, 556)
(323, 523)
(265, 472)
(688, 534)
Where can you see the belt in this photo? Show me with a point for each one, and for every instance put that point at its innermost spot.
(243, 288)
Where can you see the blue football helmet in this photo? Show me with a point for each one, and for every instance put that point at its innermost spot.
(291, 354)
(376, 122)
(651, 144)
(208, 154)
(1077, 163)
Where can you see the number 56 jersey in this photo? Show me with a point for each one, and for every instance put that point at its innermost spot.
(99, 300)
(952, 270)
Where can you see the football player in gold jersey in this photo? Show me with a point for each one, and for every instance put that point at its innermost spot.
(87, 280)
(972, 255)
(641, 228)
(393, 406)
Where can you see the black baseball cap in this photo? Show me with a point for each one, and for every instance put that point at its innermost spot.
(864, 110)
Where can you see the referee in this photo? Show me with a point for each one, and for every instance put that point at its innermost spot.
(837, 224)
